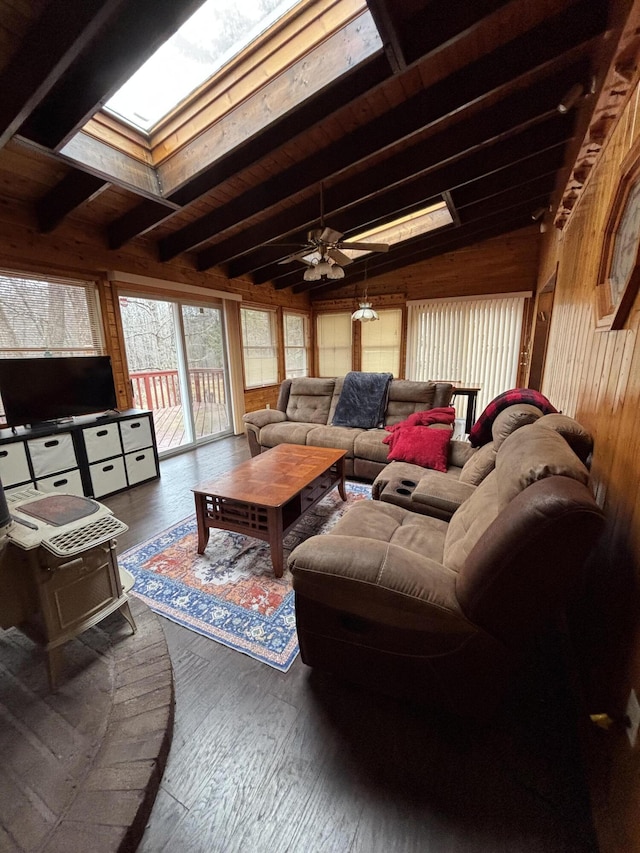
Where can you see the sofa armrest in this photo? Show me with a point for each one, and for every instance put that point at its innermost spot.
(262, 417)
(441, 492)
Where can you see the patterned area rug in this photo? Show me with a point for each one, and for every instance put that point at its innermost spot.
(229, 593)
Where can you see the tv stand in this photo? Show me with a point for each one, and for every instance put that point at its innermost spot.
(93, 455)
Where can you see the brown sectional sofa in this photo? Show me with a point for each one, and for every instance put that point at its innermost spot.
(305, 411)
(442, 611)
(440, 494)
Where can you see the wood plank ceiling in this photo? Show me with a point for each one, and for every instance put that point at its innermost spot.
(461, 101)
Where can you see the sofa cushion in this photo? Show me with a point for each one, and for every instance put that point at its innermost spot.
(420, 445)
(310, 400)
(391, 524)
(531, 454)
(332, 436)
(470, 521)
(511, 419)
(407, 397)
(479, 465)
(369, 445)
(288, 432)
(577, 437)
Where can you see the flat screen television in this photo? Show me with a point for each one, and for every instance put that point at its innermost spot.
(49, 389)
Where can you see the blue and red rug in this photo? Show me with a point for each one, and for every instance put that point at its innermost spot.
(229, 593)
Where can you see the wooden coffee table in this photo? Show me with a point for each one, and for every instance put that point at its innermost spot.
(267, 495)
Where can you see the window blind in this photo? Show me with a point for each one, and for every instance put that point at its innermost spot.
(474, 342)
(333, 335)
(41, 316)
(296, 344)
(259, 347)
(380, 342)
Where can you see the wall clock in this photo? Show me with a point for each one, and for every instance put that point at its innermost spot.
(619, 277)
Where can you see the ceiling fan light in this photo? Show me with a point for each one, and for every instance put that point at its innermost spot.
(323, 268)
(365, 313)
(335, 271)
(312, 274)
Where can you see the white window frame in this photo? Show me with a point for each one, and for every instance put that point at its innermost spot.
(288, 348)
(247, 358)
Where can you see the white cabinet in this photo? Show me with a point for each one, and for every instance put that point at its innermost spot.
(121, 454)
(92, 457)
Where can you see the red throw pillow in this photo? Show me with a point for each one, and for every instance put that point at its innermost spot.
(421, 446)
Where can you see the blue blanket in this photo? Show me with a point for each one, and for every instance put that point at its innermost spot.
(363, 400)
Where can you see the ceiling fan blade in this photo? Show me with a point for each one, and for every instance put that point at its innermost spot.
(315, 236)
(365, 247)
(339, 257)
(328, 235)
(298, 256)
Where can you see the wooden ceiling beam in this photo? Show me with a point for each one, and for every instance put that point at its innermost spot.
(346, 91)
(52, 43)
(323, 67)
(556, 41)
(73, 190)
(382, 14)
(137, 221)
(365, 78)
(106, 62)
(488, 171)
(509, 117)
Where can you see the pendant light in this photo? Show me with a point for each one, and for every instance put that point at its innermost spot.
(364, 312)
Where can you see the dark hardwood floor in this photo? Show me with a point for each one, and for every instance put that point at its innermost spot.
(300, 762)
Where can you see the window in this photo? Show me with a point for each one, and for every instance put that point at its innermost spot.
(259, 347)
(380, 343)
(334, 344)
(472, 342)
(296, 344)
(48, 317)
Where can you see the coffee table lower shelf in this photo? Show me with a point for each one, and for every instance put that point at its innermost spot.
(262, 519)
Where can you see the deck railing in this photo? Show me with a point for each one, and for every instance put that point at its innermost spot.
(160, 389)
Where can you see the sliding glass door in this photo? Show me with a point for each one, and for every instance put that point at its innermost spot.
(176, 358)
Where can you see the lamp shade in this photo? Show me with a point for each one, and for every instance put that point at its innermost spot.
(365, 313)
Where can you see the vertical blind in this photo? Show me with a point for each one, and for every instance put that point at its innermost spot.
(472, 342)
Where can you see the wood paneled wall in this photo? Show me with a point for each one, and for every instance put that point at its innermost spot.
(596, 377)
(502, 264)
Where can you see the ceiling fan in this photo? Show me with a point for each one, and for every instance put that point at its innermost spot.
(323, 253)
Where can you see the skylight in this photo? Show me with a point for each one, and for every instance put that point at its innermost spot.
(212, 36)
(412, 225)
